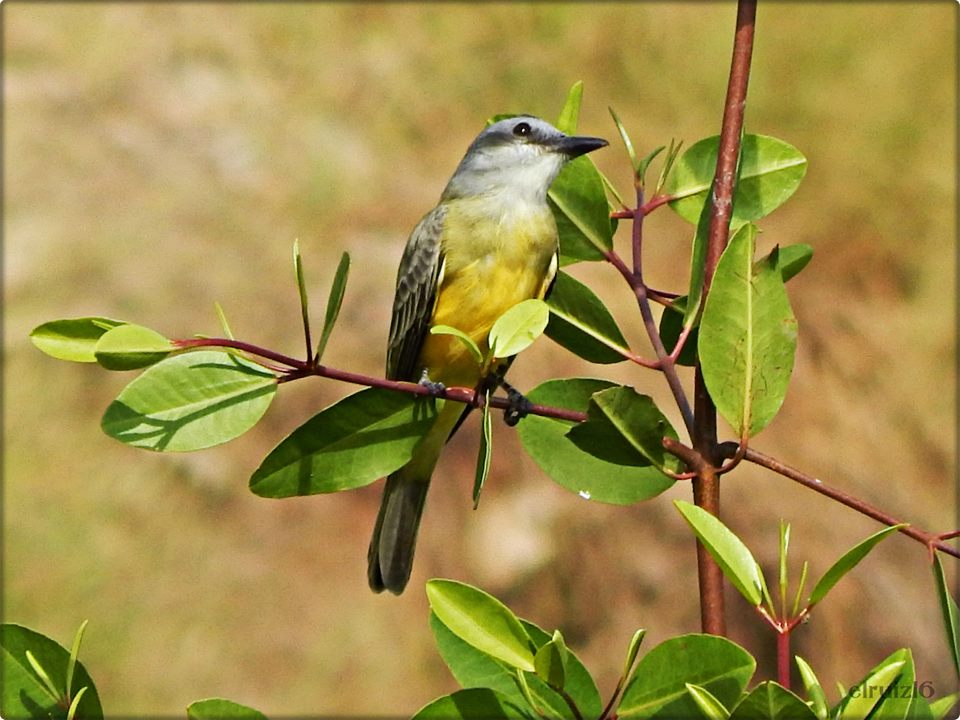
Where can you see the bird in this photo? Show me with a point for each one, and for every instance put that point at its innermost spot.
(490, 243)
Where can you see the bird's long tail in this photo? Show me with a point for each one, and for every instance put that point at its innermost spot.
(390, 557)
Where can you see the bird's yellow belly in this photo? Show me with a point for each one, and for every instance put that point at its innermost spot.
(474, 294)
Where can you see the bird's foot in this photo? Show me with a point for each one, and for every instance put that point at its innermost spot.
(436, 389)
(519, 406)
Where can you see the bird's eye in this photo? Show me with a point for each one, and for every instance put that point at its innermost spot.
(521, 129)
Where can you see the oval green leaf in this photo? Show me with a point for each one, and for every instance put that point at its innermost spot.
(131, 347)
(550, 661)
(518, 327)
(578, 683)
(570, 114)
(658, 688)
(846, 563)
(73, 339)
(477, 703)
(220, 709)
(733, 557)
(864, 698)
(770, 172)
(581, 211)
(558, 456)
(790, 259)
(748, 337)
(22, 692)
(190, 402)
(482, 621)
(770, 701)
(621, 420)
(580, 322)
(352, 443)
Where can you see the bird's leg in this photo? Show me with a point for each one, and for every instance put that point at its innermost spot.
(436, 389)
(519, 406)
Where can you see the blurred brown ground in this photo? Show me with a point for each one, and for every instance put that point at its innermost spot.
(160, 157)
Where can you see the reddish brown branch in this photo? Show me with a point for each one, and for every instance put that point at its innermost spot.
(933, 541)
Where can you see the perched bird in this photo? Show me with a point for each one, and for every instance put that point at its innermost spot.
(490, 243)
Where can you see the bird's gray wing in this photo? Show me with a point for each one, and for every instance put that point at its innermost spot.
(419, 277)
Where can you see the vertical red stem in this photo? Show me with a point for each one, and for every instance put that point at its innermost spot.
(783, 658)
(706, 487)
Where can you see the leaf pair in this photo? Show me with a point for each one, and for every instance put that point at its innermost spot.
(594, 475)
(511, 667)
(743, 571)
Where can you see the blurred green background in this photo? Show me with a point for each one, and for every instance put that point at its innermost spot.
(160, 157)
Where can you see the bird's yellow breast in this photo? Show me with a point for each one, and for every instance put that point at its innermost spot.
(491, 262)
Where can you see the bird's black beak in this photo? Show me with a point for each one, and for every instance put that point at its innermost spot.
(576, 145)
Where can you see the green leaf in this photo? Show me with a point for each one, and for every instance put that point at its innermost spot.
(846, 563)
(518, 327)
(74, 339)
(698, 268)
(52, 692)
(628, 144)
(658, 688)
(578, 683)
(818, 698)
(734, 558)
(866, 696)
(352, 443)
(784, 549)
(748, 337)
(222, 318)
(623, 420)
(334, 302)
(471, 704)
(582, 212)
(73, 657)
(462, 337)
(191, 401)
(950, 612)
(550, 661)
(485, 451)
(22, 693)
(941, 706)
(709, 706)
(482, 621)
(75, 703)
(301, 287)
(544, 439)
(770, 701)
(131, 347)
(789, 259)
(570, 114)
(472, 668)
(581, 323)
(770, 172)
(633, 649)
(671, 325)
(220, 709)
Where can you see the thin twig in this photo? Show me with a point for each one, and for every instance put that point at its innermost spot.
(933, 541)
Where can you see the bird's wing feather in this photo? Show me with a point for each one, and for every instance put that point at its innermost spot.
(418, 278)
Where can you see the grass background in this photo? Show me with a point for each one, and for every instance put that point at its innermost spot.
(160, 157)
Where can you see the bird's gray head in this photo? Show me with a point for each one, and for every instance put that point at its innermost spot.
(521, 156)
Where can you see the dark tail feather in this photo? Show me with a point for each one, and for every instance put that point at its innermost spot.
(390, 557)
